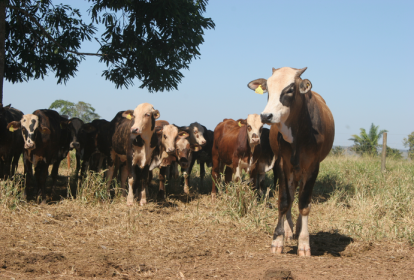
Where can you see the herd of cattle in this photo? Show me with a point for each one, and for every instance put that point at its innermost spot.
(135, 142)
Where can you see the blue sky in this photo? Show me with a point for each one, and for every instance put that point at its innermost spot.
(359, 54)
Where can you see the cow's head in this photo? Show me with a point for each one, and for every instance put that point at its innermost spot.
(253, 127)
(283, 86)
(183, 149)
(143, 118)
(30, 127)
(196, 131)
(168, 134)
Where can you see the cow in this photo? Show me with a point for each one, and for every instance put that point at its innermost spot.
(73, 127)
(133, 139)
(42, 135)
(301, 134)
(201, 142)
(87, 136)
(172, 147)
(236, 148)
(11, 144)
(265, 163)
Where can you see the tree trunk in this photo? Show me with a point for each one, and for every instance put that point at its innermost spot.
(2, 43)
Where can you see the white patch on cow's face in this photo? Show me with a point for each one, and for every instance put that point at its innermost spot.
(143, 118)
(29, 125)
(169, 134)
(197, 134)
(254, 128)
(279, 80)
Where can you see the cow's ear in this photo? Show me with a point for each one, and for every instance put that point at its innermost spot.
(259, 86)
(241, 122)
(184, 128)
(129, 114)
(156, 114)
(13, 126)
(305, 86)
(44, 130)
(183, 134)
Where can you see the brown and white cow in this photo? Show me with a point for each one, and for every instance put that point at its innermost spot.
(167, 151)
(42, 135)
(307, 129)
(236, 147)
(134, 140)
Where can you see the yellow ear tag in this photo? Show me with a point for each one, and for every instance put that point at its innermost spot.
(11, 129)
(184, 134)
(259, 90)
(129, 117)
(240, 124)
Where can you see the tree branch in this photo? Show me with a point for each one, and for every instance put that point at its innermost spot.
(34, 20)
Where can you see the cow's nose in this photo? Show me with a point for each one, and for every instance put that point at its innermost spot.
(255, 140)
(134, 130)
(74, 145)
(266, 118)
(170, 150)
(203, 142)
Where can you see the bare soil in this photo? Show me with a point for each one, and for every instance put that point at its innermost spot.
(183, 238)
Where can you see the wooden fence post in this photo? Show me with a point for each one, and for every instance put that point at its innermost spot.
(384, 151)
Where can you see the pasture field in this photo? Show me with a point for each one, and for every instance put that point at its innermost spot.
(361, 225)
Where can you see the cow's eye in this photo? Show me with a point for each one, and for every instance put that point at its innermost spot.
(290, 91)
(147, 115)
(165, 136)
(249, 128)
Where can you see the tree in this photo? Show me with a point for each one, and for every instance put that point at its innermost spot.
(149, 40)
(367, 143)
(394, 153)
(337, 151)
(409, 143)
(81, 110)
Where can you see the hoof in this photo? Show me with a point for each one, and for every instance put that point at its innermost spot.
(213, 196)
(142, 202)
(276, 250)
(130, 201)
(304, 253)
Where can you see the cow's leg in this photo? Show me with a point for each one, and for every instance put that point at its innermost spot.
(7, 166)
(41, 176)
(161, 177)
(202, 172)
(28, 170)
(111, 168)
(15, 163)
(54, 175)
(305, 196)
(78, 165)
(215, 172)
(285, 203)
(124, 177)
(186, 175)
(144, 185)
(228, 175)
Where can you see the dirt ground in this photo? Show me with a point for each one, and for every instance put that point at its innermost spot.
(183, 238)
(171, 241)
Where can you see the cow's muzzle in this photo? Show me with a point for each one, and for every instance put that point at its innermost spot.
(29, 146)
(74, 145)
(135, 130)
(184, 163)
(266, 118)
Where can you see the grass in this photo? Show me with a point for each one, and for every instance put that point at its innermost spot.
(351, 196)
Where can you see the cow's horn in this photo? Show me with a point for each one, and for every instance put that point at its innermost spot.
(300, 72)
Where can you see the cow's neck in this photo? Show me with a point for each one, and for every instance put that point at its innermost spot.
(298, 126)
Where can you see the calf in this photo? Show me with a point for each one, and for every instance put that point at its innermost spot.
(42, 135)
(301, 134)
(265, 163)
(134, 140)
(171, 147)
(11, 144)
(201, 143)
(236, 147)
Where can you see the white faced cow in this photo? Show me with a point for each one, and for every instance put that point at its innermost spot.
(307, 128)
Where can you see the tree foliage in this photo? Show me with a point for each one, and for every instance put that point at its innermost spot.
(81, 110)
(409, 143)
(148, 40)
(367, 143)
(337, 151)
(394, 153)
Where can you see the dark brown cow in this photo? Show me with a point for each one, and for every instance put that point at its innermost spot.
(11, 144)
(134, 140)
(42, 135)
(307, 130)
(236, 147)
